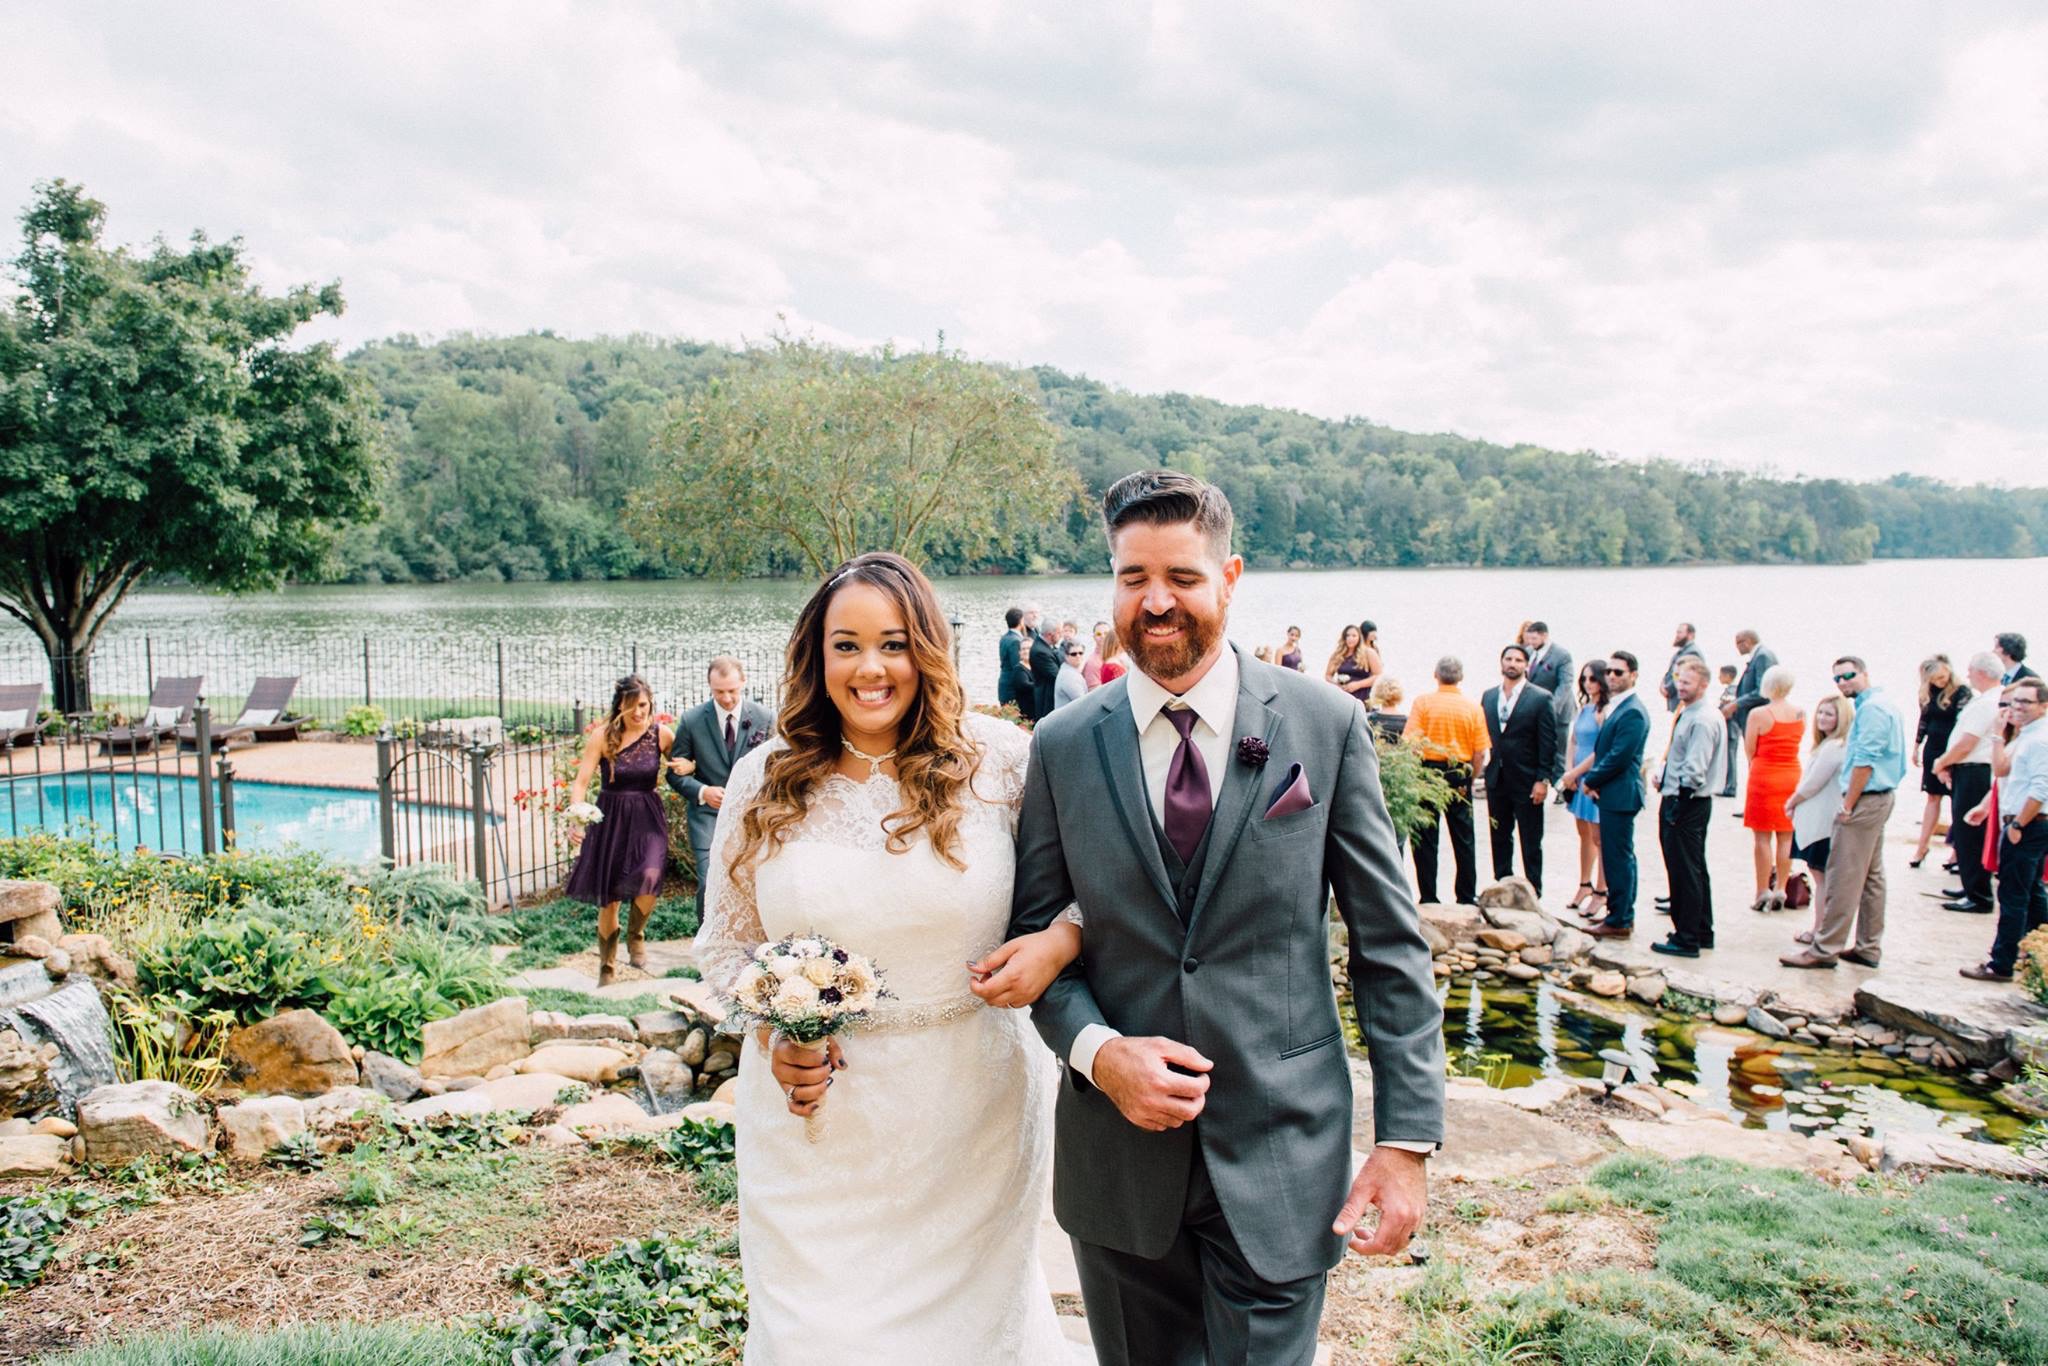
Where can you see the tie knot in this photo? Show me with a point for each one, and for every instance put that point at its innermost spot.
(1181, 719)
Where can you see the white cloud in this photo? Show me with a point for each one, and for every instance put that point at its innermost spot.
(1813, 240)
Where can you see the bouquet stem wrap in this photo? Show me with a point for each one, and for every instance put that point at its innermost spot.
(807, 988)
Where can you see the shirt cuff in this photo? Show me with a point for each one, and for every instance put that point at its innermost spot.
(1407, 1145)
(1081, 1057)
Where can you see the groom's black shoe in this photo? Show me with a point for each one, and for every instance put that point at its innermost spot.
(1674, 948)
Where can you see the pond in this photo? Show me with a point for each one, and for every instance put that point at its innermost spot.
(1513, 1034)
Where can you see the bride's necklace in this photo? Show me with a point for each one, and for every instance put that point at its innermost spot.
(874, 761)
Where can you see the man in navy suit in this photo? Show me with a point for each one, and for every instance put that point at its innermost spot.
(1615, 781)
(1009, 657)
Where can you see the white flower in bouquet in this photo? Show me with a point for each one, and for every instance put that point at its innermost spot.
(583, 813)
(807, 989)
(807, 948)
(796, 996)
(786, 968)
(820, 972)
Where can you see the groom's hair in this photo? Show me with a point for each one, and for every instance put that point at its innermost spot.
(1166, 498)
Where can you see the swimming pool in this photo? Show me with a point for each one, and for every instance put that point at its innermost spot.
(162, 812)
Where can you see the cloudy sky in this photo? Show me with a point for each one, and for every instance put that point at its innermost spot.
(1812, 238)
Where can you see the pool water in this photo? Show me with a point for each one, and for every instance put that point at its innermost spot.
(1513, 1034)
(162, 813)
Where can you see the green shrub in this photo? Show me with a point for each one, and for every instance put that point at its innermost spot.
(30, 1226)
(648, 1300)
(385, 1012)
(325, 1344)
(248, 965)
(363, 720)
(1415, 793)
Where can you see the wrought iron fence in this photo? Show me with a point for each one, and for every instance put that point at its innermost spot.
(487, 810)
(136, 788)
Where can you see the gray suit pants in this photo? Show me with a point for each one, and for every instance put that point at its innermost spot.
(1199, 1305)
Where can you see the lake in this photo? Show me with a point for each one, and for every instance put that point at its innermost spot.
(1892, 612)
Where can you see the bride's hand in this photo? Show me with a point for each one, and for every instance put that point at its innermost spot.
(804, 1071)
(1019, 972)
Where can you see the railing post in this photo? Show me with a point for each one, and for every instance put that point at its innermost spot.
(148, 662)
(227, 801)
(202, 734)
(577, 716)
(479, 828)
(366, 671)
(387, 803)
(636, 657)
(956, 624)
(501, 683)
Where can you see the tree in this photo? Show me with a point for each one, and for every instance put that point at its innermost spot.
(807, 454)
(153, 420)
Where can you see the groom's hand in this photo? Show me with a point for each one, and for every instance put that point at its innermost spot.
(1396, 1182)
(1139, 1077)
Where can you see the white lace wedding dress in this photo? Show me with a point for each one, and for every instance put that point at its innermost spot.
(907, 1233)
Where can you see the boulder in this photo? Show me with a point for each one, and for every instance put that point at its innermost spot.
(1509, 894)
(471, 1102)
(1951, 1152)
(1648, 988)
(551, 1025)
(343, 1104)
(31, 907)
(1729, 1014)
(254, 1127)
(700, 998)
(57, 964)
(30, 946)
(661, 1028)
(34, 1155)
(696, 1047)
(593, 1063)
(1758, 1147)
(1506, 941)
(728, 1092)
(1571, 944)
(1439, 942)
(476, 1040)
(400, 1081)
(296, 1053)
(57, 1126)
(707, 1112)
(1537, 955)
(127, 1120)
(1607, 983)
(605, 1110)
(525, 1091)
(1765, 1023)
(557, 1136)
(25, 1073)
(1521, 972)
(666, 1080)
(1544, 1094)
(1976, 1026)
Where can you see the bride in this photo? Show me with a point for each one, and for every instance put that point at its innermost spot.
(882, 817)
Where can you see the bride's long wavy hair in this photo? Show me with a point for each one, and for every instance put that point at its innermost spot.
(935, 761)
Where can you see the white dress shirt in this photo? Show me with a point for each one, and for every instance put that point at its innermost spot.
(1979, 718)
(1213, 699)
(1506, 708)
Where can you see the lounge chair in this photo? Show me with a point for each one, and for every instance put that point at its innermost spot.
(259, 720)
(21, 705)
(170, 706)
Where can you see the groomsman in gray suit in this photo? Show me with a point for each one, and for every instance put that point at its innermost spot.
(1201, 812)
(713, 735)
(1550, 668)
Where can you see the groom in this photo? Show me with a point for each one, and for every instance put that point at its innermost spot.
(1201, 812)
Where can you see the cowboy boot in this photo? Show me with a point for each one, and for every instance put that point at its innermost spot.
(636, 944)
(607, 948)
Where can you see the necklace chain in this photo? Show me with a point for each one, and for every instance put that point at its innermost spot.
(874, 761)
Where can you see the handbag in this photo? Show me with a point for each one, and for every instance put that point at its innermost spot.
(1798, 892)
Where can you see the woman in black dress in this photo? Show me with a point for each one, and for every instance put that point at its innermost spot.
(1942, 695)
(622, 856)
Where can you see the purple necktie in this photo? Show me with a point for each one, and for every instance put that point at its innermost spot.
(731, 741)
(1187, 789)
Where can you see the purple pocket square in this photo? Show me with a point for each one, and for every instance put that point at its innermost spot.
(1291, 796)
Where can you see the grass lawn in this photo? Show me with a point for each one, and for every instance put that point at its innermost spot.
(551, 930)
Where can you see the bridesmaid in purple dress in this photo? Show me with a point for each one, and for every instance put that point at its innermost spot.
(623, 856)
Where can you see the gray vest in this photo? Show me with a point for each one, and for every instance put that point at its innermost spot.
(1187, 877)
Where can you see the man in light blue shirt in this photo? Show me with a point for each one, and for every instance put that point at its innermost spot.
(2023, 833)
(1853, 895)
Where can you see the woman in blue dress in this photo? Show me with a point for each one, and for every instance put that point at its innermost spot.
(1593, 699)
(622, 856)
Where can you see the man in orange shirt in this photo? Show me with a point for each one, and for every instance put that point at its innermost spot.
(1450, 730)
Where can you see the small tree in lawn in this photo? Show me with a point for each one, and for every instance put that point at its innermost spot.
(154, 420)
(806, 455)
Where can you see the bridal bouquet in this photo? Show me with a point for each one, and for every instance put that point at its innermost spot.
(807, 988)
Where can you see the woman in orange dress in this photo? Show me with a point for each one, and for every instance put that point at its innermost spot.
(1770, 741)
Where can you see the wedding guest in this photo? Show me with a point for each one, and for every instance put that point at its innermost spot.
(1013, 669)
(1615, 781)
(1355, 664)
(1813, 803)
(1383, 709)
(1550, 668)
(1585, 733)
(1942, 698)
(1684, 642)
(1091, 667)
(2011, 649)
(2022, 827)
(1113, 665)
(1450, 730)
(1691, 776)
(1521, 736)
(1072, 684)
(1727, 705)
(710, 739)
(1871, 774)
(1758, 659)
(1046, 659)
(1289, 654)
(1966, 767)
(1770, 739)
(622, 855)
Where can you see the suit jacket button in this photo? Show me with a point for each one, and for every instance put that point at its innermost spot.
(1190, 964)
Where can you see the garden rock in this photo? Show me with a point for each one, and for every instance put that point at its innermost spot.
(1649, 988)
(30, 946)
(1765, 1023)
(296, 1053)
(1439, 942)
(1952, 1153)
(707, 1112)
(127, 1120)
(397, 1080)
(34, 1155)
(1976, 1027)
(1728, 1013)
(341, 1105)
(476, 1040)
(585, 1062)
(694, 1048)
(472, 1102)
(550, 1025)
(1571, 944)
(701, 999)
(24, 1073)
(728, 1093)
(57, 964)
(31, 907)
(526, 1091)
(1507, 941)
(1537, 955)
(606, 1110)
(1510, 894)
(254, 1127)
(557, 1136)
(1758, 1147)
(667, 1080)
(1609, 984)
(57, 1126)
(661, 1028)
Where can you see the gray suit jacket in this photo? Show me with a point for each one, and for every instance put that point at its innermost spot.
(1246, 980)
(1556, 677)
(700, 737)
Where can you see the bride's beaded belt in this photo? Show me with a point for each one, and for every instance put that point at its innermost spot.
(921, 1014)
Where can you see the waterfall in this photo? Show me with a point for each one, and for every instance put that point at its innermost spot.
(73, 1018)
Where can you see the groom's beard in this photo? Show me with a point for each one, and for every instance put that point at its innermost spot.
(1173, 658)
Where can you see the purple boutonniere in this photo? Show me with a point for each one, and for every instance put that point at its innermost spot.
(1254, 751)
